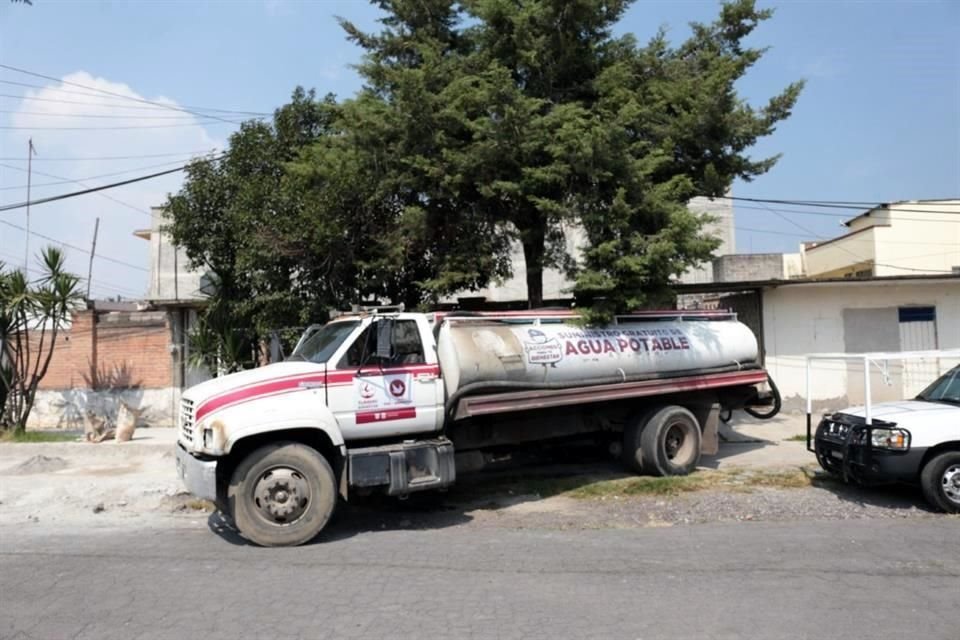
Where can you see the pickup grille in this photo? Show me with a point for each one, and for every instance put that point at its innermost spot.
(186, 419)
(835, 430)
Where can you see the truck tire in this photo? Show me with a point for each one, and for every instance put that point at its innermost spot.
(940, 479)
(670, 442)
(282, 494)
(630, 453)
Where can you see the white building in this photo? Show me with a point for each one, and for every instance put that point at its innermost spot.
(915, 236)
(171, 278)
(891, 284)
(556, 285)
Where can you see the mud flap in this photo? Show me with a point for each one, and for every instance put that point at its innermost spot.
(709, 419)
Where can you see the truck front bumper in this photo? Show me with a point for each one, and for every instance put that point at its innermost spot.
(198, 476)
(849, 454)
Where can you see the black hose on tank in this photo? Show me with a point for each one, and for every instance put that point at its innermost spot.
(777, 403)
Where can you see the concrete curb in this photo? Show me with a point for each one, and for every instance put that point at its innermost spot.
(152, 442)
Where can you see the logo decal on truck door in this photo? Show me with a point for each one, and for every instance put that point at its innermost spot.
(387, 390)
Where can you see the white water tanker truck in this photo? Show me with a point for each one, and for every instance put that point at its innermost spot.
(396, 402)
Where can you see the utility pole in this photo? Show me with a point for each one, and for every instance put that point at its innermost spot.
(93, 250)
(26, 243)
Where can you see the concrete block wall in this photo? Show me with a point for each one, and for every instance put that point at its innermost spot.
(749, 266)
(106, 357)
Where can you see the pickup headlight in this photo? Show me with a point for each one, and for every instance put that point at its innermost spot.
(896, 439)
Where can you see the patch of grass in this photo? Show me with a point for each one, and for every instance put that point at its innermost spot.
(801, 437)
(37, 436)
(585, 488)
(195, 504)
(643, 486)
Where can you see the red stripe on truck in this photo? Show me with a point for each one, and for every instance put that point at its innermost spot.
(245, 394)
(385, 415)
(289, 383)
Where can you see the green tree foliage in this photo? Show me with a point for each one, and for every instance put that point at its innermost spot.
(480, 123)
(534, 119)
(242, 227)
(32, 315)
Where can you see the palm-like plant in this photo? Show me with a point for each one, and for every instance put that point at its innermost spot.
(32, 314)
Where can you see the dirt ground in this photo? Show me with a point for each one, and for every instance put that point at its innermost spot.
(759, 474)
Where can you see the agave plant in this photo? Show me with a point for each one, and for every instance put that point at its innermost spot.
(32, 315)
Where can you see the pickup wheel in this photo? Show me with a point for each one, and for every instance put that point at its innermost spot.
(940, 479)
(282, 494)
(670, 442)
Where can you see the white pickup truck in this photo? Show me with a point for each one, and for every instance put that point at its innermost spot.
(912, 441)
(381, 401)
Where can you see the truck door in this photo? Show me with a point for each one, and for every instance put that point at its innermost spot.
(394, 392)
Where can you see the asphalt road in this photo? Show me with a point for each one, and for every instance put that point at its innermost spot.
(807, 579)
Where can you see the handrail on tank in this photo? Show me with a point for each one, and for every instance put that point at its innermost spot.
(633, 316)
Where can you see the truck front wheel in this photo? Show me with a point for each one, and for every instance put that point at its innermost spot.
(282, 494)
(940, 480)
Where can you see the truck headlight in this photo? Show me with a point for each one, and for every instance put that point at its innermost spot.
(897, 439)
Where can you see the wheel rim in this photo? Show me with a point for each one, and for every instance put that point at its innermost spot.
(677, 442)
(950, 481)
(281, 495)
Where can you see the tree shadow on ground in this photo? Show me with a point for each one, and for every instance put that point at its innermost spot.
(529, 477)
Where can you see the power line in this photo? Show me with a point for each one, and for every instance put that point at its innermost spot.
(109, 116)
(102, 195)
(807, 236)
(110, 93)
(198, 123)
(73, 194)
(113, 185)
(846, 217)
(137, 157)
(80, 181)
(75, 247)
(838, 205)
(96, 283)
(114, 105)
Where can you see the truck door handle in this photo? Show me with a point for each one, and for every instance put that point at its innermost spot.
(311, 385)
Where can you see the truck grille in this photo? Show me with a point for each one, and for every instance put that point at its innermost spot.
(186, 419)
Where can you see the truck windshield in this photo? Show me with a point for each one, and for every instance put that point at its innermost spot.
(945, 389)
(321, 345)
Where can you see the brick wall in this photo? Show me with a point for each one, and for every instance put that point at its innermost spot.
(128, 349)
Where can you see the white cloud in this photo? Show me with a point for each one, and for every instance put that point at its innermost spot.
(67, 121)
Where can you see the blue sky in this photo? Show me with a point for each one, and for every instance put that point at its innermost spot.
(879, 119)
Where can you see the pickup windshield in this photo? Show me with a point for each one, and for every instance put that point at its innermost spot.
(321, 344)
(945, 389)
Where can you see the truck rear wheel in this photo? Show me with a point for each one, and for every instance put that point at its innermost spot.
(282, 494)
(670, 442)
(940, 479)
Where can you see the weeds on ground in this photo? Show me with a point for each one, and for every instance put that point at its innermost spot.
(741, 480)
(800, 437)
(37, 436)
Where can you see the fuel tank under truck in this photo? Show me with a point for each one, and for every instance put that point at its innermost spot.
(479, 351)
